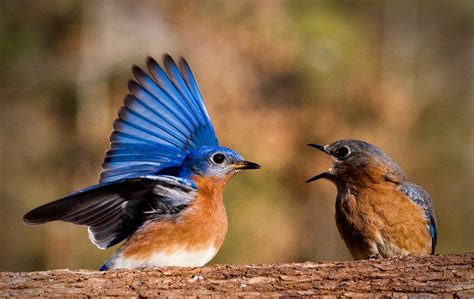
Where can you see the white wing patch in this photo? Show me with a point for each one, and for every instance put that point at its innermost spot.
(174, 191)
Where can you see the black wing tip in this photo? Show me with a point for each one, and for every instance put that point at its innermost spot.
(28, 220)
(128, 98)
(133, 86)
(183, 64)
(169, 62)
(122, 113)
(166, 57)
(113, 136)
(32, 218)
(151, 65)
(117, 122)
(136, 68)
(151, 62)
(137, 71)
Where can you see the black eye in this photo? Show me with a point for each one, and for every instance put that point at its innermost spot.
(218, 158)
(342, 152)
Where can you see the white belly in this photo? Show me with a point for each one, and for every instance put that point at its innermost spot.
(180, 257)
(386, 248)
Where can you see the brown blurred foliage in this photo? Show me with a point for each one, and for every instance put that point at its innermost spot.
(275, 76)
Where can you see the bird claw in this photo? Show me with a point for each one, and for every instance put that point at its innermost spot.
(374, 257)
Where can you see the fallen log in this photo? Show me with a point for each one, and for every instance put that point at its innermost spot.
(444, 275)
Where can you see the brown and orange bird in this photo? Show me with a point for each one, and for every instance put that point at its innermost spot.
(379, 212)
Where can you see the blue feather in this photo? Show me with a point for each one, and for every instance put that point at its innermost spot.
(433, 234)
(420, 197)
(193, 87)
(182, 88)
(149, 104)
(167, 86)
(105, 266)
(162, 120)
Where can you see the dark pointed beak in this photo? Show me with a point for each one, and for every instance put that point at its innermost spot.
(248, 165)
(324, 175)
(319, 147)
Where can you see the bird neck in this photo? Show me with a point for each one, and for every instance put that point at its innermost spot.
(367, 177)
(211, 188)
(209, 208)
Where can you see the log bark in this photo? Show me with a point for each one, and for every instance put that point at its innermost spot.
(447, 275)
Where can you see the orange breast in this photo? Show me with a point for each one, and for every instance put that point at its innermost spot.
(201, 225)
(382, 220)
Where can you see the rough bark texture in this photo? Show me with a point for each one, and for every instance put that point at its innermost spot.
(448, 275)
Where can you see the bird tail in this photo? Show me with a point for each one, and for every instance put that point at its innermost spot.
(105, 266)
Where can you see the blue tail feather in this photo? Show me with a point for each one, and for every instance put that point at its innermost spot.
(105, 266)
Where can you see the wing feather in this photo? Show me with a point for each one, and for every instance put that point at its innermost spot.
(420, 197)
(162, 120)
(113, 211)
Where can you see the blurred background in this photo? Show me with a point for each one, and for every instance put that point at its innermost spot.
(275, 76)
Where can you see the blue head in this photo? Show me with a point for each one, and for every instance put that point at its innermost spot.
(356, 161)
(214, 161)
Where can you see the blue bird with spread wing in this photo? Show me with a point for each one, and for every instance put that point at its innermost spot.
(161, 188)
(379, 212)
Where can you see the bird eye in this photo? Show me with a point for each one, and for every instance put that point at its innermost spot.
(218, 158)
(342, 152)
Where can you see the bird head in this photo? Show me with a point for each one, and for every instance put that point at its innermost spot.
(355, 161)
(214, 161)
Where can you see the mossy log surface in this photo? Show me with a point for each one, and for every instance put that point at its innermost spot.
(444, 275)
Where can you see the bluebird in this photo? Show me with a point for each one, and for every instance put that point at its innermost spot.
(161, 188)
(379, 212)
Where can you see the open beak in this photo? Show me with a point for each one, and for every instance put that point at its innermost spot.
(319, 147)
(247, 165)
(325, 175)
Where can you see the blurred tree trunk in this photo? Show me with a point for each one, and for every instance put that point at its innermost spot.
(451, 275)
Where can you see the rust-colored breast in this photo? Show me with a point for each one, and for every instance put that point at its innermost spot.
(201, 225)
(381, 220)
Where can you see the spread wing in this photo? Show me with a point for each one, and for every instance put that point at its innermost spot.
(113, 211)
(162, 120)
(419, 196)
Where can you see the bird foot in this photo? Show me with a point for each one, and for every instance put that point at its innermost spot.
(374, 257)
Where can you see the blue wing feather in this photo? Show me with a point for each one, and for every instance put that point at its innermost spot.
(130, 170)
(167, 86)
(162, 120)
(154, 104)
(142, 114)
(419, 196)
(192, 86)
(182, 88)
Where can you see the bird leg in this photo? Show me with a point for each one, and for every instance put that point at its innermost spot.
(374, 257)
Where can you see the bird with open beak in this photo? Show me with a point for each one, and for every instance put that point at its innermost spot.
(379, 212)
